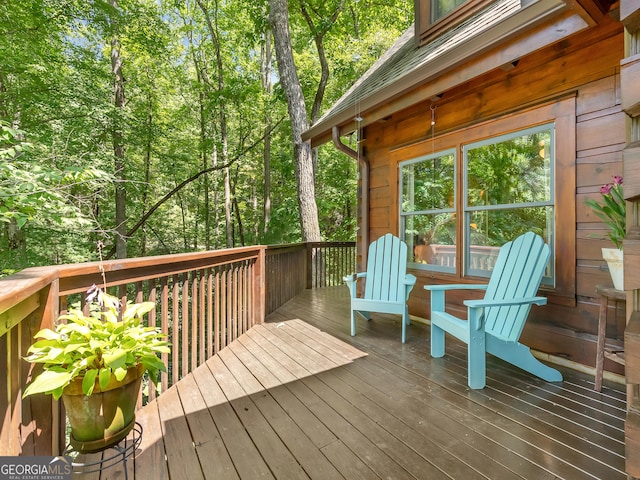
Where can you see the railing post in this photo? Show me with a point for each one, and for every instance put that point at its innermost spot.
(42, 426)
(259, 285)
(309, 266)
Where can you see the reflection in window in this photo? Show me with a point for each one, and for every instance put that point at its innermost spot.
(508, 192)
(428, 211)
(441, 8)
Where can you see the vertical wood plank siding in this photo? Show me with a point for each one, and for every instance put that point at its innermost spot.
(203, 301)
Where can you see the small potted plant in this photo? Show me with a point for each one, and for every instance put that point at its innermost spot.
(95, 362)
(612, 211)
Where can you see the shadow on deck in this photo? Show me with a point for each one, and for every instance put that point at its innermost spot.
(298, 397)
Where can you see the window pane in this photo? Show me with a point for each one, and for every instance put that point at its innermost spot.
(440, 8)
(432, 240)
(490, 229)
(513, 171)
(428, 185)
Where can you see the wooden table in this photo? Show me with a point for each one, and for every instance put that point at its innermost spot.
(606, 292)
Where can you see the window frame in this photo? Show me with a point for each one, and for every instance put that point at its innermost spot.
(426, 30)
(560, 111)
(403, 215)
(469, 209)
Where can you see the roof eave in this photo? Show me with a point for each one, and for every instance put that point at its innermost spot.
(528, 17)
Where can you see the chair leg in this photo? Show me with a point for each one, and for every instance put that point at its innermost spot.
(353, 323)
(477, 361)
(405, 322)
(437, 341)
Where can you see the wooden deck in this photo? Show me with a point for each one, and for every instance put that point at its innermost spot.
(298, 397)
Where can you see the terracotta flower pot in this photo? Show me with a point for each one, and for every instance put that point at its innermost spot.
(106, 416)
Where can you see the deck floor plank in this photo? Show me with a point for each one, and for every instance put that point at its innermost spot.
(214, 458)
(362, 447)
(565, 440)
(182, 459)
(150, 459)
(452, 424)
(292, 435)
(275, 453)
(386, 431)
(298, 397)
(244, 454)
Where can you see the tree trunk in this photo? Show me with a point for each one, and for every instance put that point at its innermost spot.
(147, 167)
(279, 21)
(215, 38)
(266, 84)
(118, 143)
(227, 207)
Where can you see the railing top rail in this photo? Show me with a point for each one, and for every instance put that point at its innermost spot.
(271, 249)
(78, 277)
(24, 284)
(331, 244)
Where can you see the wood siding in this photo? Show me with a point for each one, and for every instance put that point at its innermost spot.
(585, 67)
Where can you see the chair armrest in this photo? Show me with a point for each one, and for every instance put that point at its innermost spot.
(460, 286)
(353, 277)
(505, 303)
(351, 280)
(410, 279)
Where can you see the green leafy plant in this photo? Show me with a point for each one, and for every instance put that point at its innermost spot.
(612, 211)
(105, 343)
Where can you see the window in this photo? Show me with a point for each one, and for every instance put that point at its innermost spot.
(434, 17)
(428, 212)
(440, 8)
(507, 190)
(510, 174)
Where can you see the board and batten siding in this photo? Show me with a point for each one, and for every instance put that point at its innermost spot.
(583, 68)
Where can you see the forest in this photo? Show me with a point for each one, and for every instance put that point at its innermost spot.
(147, 127)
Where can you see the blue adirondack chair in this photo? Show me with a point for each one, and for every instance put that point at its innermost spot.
(387, 283)
(495, 323)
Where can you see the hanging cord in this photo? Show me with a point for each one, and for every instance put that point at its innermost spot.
(358, 120)
(433, 126)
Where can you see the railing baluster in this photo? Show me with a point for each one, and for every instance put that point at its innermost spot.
(152, 323)
(210, 306)
(202, 339)
(175, 333)
(193, 302)
(164, 322)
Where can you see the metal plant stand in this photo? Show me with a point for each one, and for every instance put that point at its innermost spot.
(122, 451)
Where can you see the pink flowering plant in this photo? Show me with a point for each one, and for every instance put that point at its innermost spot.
(612, 210)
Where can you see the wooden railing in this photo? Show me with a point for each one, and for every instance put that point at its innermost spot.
(480, 258)
(329, 262)
(203, 300)
(294, 267)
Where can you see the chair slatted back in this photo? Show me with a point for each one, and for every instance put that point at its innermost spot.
(517, 274)
(386, 269)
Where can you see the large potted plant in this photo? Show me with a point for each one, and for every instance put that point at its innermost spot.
(612, 211)
(95, 362)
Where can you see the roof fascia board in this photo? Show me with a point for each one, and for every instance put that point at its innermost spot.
(525, 19)
(571, 23)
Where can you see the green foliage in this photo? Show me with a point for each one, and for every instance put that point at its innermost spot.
(56, 89)
(30, 190)
(613, 210)
(100, 345)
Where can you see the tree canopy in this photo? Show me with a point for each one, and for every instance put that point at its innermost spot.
(176, 109)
